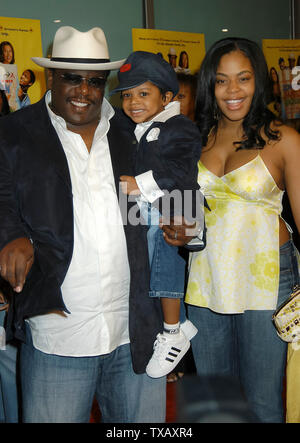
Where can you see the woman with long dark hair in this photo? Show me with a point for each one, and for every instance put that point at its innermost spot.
(249, 266)
(7, 53)
(183, 64)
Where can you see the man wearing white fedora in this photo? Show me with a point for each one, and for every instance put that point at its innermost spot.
(80, 275)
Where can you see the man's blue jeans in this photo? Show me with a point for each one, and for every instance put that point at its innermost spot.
(8, 381)
(246, 345)
(59, 389)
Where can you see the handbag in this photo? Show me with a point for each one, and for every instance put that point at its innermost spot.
(286, 318)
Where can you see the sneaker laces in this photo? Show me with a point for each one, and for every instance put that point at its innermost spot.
(158, 350)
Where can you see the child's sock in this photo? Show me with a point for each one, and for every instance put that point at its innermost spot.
(171, 329)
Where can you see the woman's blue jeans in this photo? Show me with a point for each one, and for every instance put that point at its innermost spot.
(247, 346)
(59, 389)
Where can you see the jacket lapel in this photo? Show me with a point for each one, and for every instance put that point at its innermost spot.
(51, 148)
(122, 144)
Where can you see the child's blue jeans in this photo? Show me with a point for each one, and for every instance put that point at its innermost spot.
(167, 266)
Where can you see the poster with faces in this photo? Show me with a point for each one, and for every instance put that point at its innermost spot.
(283, 59)
(183, 50)
(23, 81)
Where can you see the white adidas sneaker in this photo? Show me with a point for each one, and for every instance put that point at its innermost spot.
(168, 351)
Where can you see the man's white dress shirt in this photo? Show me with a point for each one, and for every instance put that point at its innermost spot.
(96, 286)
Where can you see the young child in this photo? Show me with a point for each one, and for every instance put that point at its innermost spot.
(165, 160)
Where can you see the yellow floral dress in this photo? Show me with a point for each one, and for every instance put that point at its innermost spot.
(239, 268)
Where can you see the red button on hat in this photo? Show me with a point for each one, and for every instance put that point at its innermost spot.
(126, 67)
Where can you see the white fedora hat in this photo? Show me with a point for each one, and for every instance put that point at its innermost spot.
(73, 49)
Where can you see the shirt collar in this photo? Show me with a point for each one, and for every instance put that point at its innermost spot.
(172, 109)
(107, 111)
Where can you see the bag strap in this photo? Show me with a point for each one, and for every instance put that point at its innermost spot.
(295, 267)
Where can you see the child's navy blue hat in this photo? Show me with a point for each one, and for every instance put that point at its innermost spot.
(142, 66)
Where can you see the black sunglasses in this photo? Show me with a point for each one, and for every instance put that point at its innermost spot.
(76, 80)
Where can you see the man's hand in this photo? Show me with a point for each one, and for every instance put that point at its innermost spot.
(178, 232)
(16, 259)
(129, 185)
